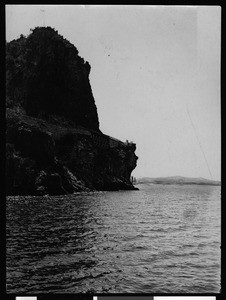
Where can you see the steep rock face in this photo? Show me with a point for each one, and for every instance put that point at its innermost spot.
(54, 144)
(113, 167)
(46, 76)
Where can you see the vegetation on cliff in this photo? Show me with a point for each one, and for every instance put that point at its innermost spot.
(54, 144)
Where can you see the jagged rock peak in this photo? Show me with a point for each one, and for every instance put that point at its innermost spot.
(46, 77)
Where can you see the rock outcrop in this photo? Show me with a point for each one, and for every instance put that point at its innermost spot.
(54, 144)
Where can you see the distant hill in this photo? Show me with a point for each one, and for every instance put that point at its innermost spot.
(177, 180)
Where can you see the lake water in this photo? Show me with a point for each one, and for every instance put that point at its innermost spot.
(160, 239)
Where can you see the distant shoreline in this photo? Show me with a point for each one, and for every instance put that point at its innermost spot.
(177, 180)
(154, 183)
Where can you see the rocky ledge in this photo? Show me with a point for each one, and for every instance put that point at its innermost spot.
(54, 144)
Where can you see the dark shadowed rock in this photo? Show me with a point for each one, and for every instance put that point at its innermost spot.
(54, 145)
(46, 76)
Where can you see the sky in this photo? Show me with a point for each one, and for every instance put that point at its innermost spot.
(155, 77)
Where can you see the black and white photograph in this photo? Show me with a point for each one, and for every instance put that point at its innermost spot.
(113, 150)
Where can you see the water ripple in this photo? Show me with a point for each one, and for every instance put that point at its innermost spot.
(162, 239)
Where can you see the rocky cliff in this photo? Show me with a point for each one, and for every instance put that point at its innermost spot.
(54, 144)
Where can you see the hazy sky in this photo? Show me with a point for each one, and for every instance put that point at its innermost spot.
(155, 77)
